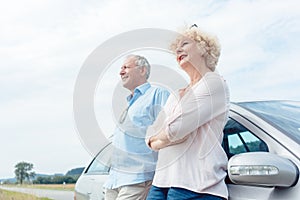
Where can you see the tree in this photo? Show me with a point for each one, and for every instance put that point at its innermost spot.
(23, 171)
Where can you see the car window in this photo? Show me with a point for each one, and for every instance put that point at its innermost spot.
(101, 163)
(97, 167)
(238, 139)
(283, 115)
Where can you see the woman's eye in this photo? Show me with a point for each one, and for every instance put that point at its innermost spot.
(184, 43)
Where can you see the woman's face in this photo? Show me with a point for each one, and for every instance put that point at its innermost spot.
(187, 53)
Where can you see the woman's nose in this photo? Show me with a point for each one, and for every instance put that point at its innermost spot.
(178, 50)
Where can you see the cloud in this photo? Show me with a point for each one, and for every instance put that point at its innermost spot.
(258, 42)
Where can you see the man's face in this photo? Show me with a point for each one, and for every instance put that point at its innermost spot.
(132, 76)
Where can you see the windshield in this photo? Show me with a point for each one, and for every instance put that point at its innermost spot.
(284, 115)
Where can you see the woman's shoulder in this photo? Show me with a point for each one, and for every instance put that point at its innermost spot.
(211, 81)
(212, 77)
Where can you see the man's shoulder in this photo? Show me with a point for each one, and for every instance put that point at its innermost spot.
(159, 94)
(159, 89)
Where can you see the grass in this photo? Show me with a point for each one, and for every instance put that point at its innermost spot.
(66, 187)
(10, 195)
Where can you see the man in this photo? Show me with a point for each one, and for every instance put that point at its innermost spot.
(133, 163)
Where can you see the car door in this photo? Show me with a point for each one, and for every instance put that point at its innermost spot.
(89, 186)
(243, 135)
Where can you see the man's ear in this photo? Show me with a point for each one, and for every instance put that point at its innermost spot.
(143, 71)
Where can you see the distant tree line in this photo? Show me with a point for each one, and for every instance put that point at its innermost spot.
(24, 173)
(55, 180)
(70, 177)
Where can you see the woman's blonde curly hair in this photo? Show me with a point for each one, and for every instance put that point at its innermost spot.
(208, 43)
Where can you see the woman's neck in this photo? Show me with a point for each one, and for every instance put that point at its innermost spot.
(197, 74)
(194, 81)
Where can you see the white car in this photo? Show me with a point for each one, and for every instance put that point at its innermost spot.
(262, 141)
(89, 184)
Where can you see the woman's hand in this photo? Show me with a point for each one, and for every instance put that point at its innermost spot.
(158, 141)
(155, 144)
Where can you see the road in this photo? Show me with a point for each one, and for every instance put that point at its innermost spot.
(52, 194)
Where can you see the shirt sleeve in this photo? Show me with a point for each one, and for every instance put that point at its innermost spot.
(161, 97)
(160, 100)
(207, 100)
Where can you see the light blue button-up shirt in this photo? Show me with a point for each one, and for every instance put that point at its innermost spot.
(132, 161)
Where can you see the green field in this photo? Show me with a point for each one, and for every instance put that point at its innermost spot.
(68, 187)
(9, 195)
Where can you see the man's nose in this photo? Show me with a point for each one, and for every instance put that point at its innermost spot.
(122, 72)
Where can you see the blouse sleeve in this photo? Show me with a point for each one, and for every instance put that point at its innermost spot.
(208, 99)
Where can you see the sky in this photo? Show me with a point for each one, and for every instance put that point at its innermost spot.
(44, 44)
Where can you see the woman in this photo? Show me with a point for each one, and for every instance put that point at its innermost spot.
(188, 134)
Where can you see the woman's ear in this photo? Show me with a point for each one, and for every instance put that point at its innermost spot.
(202, 50)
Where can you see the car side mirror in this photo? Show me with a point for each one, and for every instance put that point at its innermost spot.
(262, 169)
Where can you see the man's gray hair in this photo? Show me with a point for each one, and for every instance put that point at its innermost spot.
(141, 61)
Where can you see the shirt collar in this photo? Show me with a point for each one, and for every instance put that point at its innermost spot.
(140, 89)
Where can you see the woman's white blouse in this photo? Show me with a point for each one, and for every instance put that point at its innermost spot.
(198, 163)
